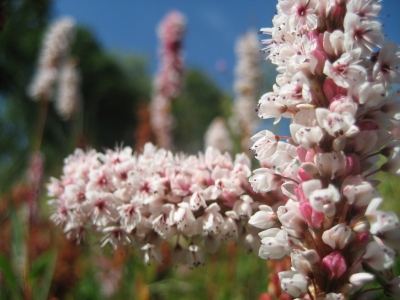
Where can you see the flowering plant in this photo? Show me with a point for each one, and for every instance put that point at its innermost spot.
(334, 82)
(315, 196)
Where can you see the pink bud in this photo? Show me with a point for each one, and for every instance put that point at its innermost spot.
(368, 125)
(301, 153)
(298, 190)
(331, 89)
(334, 264)
(313, 218)
(353, 165)
(361, 240)
(303, 175)
(319, 58)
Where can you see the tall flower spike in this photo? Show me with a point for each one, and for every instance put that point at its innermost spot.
(247, 85)
(337, 92)
(56, 44)
(168, 81)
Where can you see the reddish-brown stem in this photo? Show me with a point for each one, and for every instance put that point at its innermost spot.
(44, 104)
(372, 173)
(370, 155)
(369, 290)
(342, 218)
(288, 178)
(368, 112)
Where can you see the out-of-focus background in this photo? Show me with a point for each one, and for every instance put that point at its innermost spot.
(116, 52)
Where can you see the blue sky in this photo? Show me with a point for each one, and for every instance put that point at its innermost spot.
(212, 26)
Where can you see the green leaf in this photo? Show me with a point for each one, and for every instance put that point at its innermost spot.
(41, 274)
(8, 272)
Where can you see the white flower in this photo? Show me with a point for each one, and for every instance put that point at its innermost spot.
(130, 215)
(271, 106)
(310, 186)
(275, 244)
(212, 219)
(358, 191)
(338, 236)
(365, 9)
(379, 256)
(296, 92)
(385, 69)
(333, 43)
(265, 218)
(364, 35)
(336, 124)
(300, 13)
(370, 93)
(330, 164)
(243, 207)
(368, 141)
(185, 219)
(265, 144)
(385, 225)
(101, 207)
(293, 283)
(319, 198)
(264, 180)
(346, 72)
(163, 224)
(360, 279)
(308, 137)
(291, 217)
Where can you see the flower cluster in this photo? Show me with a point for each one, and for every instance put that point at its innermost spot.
(144, 199)
(55, 48)
(334, 82)
(247, 84)
(168, 83)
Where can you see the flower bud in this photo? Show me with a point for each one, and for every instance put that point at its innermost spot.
(293, 283)
(311, 256)
(265, 218)
(338, 236)
(360, 279)
(339, 143)
(361, 226)
(334, 264)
